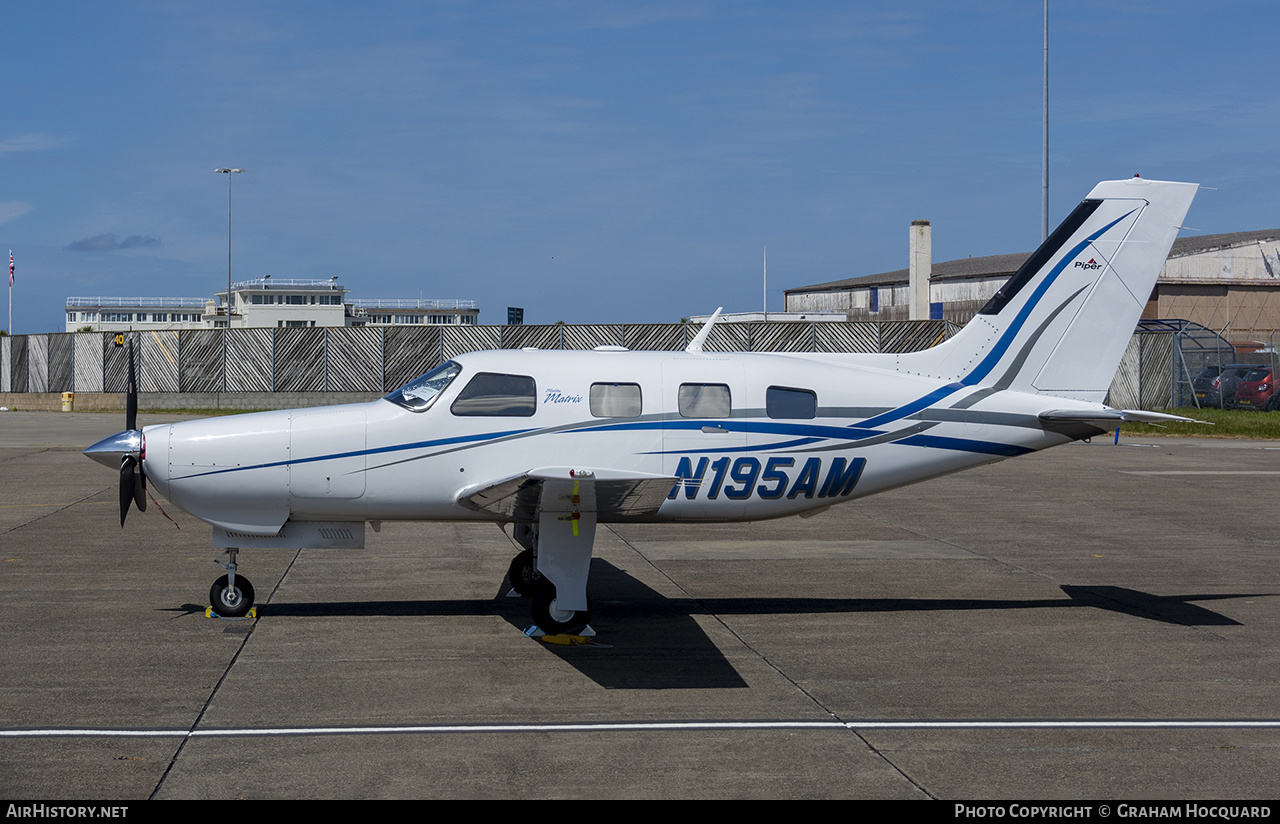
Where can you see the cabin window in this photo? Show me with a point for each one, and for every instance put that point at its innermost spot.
(781, 402)
(615, 400)
(490, 394)
(419, 394)
(704, 400)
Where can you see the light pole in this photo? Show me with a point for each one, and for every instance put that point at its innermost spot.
(228, 173)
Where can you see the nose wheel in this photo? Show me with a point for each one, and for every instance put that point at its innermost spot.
(231, 596)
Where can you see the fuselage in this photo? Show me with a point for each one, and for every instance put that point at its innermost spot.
(742, 436)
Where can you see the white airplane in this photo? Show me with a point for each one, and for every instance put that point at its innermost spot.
(554, 442)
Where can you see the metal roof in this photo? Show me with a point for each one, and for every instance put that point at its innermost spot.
(1003, 266)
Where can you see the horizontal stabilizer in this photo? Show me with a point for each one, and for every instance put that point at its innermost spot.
(1106, 418)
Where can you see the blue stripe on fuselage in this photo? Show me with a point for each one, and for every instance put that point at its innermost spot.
(365, 452)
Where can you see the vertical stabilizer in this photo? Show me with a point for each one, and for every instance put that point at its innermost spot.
(1060, 325)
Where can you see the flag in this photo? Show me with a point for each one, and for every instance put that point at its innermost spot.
(10, 268)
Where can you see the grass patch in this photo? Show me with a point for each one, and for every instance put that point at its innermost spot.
(1227, 423)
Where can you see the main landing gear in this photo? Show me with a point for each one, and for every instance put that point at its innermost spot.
(231, 596)
(528, 582)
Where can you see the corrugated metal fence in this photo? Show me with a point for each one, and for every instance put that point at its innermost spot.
(1165, 356)
(381, 358)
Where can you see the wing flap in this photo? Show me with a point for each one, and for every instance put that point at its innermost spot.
(610, 494)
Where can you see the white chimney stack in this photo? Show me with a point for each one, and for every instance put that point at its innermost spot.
(920, 268)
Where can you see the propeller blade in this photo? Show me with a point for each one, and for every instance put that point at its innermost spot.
(131, 395)
(140, 490)
(127, 485)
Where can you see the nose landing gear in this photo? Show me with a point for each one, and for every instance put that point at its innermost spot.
(231, 596)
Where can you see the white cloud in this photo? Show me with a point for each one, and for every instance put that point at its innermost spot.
(107, 242)
(13, 210)
(29, 143)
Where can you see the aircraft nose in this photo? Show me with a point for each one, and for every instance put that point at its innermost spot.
(110, 451)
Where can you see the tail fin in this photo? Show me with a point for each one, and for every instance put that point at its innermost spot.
(1062, 322)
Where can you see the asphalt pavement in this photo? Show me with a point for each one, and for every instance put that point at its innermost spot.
(1097, 621)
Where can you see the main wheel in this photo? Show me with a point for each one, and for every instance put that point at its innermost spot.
(525, 580)
(551, 619)
(231, 602)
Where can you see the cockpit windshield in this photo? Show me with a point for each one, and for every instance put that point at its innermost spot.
(418, 394)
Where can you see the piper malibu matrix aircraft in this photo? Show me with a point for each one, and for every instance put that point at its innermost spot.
(555, 442)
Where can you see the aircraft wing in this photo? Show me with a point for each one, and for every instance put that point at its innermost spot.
(610, 494)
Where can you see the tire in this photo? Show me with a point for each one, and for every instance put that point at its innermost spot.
(228, 603)
(553, 621)
(525, 580)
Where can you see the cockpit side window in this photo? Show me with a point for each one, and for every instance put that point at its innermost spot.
(418, 395)
(490, 394)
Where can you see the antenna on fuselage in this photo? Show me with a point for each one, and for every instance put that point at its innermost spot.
(695, 345)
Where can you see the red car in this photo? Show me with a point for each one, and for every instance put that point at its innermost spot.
(1257, 389)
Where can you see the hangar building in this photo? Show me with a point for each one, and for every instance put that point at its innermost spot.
(1228, 282)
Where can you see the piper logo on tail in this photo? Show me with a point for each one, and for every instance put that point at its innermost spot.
(1092, 264)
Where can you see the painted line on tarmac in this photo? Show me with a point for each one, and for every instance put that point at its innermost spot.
(1201, 472)
(669, 726)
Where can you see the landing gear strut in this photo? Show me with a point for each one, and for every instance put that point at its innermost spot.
(528, 579)
(231, 596)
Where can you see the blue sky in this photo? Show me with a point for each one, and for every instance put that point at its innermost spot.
(598, 161)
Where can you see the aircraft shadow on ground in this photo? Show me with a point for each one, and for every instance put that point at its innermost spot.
(652, 642)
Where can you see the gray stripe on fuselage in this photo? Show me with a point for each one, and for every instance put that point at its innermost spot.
(993, 418)
(1014, 368)
(970, 400)
(887, 437)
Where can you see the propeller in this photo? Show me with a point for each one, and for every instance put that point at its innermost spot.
(133, 480)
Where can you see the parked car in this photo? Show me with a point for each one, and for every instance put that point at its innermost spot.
(1216, 385)
(1257, 389)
